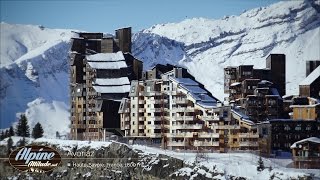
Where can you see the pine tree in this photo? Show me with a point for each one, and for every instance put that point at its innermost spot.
(37, 131)
(23, 127)
(21, 142)
(11, 132)
(2, 135)
(9, 145)
(260, 166)
(6, 133)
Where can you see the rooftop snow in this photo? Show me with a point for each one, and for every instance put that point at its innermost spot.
(108, 65)
(185, 81)
(312, 77)
(112, 89)
(310, 139)
(106, 57)
(200, 95)
(194, 89)
(242, 115)
(235, 84)
(111, 81)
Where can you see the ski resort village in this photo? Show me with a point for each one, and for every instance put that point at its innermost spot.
(233, 99)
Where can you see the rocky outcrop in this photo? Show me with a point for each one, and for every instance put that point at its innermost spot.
(116, 161)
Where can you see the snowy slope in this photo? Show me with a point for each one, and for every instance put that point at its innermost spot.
(34, 65)
(223, 165)
(207, 46)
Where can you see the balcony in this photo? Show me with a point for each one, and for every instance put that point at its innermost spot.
(206, 143)
(183, 118)
(90, 134)
(228, 127)
(248, 144)
(155, 126)
(208, 135)
(209, 118)
(180, 101)
(181, 135)
(248, 135)
(187, 126)
(155, 135)
(141, 110)
(141, 118)
(127, 127)
(94, 126)
(177, 143)
(141, 102)
(183, 109)
(155, 118)
(126, 119)
(142, 126)
(78, 126)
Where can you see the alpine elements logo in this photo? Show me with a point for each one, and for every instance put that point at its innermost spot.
(34, 159)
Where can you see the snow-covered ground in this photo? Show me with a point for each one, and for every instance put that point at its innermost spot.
(34, 60)
(235, 164)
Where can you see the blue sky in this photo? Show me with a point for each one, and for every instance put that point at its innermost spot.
(107, 15)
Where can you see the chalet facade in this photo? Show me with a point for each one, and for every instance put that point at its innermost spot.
(305, 108)
(178, 112)
(280, 134)
(101, 71)
(306, 153)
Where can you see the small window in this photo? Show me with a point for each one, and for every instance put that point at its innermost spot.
(133, 114)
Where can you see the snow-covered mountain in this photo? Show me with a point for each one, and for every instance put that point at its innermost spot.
(34, 75)
(34, 65)
(206, 46)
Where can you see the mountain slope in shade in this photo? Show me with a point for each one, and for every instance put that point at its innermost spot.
(289, 27)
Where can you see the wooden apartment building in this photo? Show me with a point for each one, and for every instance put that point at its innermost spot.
(101, 70)
(178, 112)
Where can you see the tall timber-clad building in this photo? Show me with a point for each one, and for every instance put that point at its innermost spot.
(101, 71)
(178, 112)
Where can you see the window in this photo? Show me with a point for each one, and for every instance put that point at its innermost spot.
(132, 122)
(298, 127)
(133, 114)
(149, 122)
(287, 128)
(133, 106)
(149, 114)
(308, 128)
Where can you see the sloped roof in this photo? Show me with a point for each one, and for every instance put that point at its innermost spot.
(111, 81)
(310, 139)
(112, 89)
(312, 77)
(108, 65)
(200, 95)
(106, 57)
